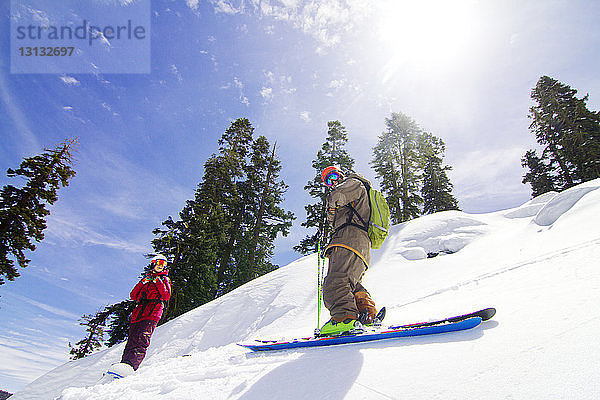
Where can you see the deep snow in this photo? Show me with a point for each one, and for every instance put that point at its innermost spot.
(538, 264)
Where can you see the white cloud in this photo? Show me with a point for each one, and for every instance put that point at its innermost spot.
(476, 165)
(487, 178)
(27, 359)
(176, 72)
(305, 116)
(69, 80)
(290, 3)
(325, 20)
(267, 93)
(34, 342)
(102, 38)
(514, 39)
(240, 85)
(65, 231)
(285, 79)
(270, 76)
(39, 16)
(276, 84)
(224, 7)
(45, 307)
(28, 139)
(337, 84)
(193, 4)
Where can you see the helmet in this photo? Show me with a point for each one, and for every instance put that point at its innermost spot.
(159, 259)
(328, 171)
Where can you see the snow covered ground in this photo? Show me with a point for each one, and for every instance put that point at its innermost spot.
(538, 264)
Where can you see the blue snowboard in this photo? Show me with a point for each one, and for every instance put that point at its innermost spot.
(371, 335)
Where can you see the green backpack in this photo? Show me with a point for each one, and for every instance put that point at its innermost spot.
(379, 223)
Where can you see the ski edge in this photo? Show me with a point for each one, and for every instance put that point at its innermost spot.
(485, 314)
(366, 337)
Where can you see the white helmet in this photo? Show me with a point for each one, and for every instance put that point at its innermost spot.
(159, 257)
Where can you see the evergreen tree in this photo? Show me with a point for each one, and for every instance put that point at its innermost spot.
(23, 211)
(332, 152)
(569, 134)
(224, 237)
(437, 188)
(263, 219)
(118, 324)
(117, 318)
(95, 338)
(539, 175)
(398, 163)
(201, 244)
(235, 146)
(226, 233)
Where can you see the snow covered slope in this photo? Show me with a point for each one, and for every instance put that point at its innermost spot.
(538, 264)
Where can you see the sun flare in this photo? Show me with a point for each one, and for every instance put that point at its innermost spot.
(426, 33)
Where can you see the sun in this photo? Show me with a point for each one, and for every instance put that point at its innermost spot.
(425, 33)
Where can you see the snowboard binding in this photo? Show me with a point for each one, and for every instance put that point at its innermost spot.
(363, 318)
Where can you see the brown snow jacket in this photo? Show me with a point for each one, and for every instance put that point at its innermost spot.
(350, 191)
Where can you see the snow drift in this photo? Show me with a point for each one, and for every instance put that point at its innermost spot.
(537, 264)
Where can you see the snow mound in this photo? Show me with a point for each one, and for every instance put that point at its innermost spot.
(413, 253)
(444, 232)
(532, 207)
(563, 202)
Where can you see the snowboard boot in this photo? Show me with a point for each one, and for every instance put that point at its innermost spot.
(366, 307)
(335, 328)
(120, 370)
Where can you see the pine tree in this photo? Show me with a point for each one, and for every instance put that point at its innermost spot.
(117, 318)
(23, 211)
(118, 323)
(437, 188)
(224, 237)
(196, 244)
(226, 233)
(398, 163)
(263, 219)
(569, 134)
(539, 175)
(236, 144)
(332, 152)
(95, 338)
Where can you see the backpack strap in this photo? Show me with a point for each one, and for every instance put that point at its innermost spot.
(144, 300)
(365, 224)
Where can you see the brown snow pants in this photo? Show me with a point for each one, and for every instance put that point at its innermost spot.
(137, 342)
(343, 279)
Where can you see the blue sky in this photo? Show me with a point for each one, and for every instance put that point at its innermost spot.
(463, 70)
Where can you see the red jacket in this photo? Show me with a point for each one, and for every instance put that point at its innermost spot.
(150, 296)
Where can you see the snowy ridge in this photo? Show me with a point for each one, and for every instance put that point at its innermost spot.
(537, 264)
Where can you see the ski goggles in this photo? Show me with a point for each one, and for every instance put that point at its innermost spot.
(160, 263)
(332, 177)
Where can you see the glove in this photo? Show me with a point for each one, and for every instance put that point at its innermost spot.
(147, 279)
